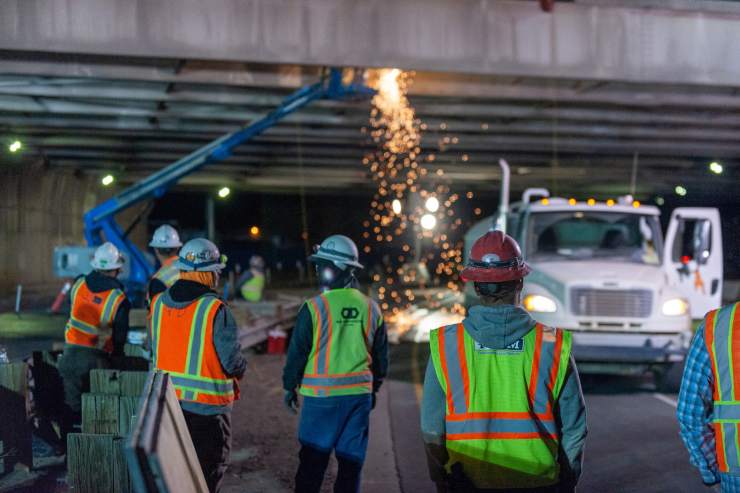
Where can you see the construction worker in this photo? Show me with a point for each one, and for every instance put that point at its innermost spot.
(165, 242)
(194, 339)
(502, 407)
(338, 357)
(96, 330)
(709, 403)
(252, 283)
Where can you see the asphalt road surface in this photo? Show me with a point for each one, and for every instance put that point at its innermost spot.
(632, 446)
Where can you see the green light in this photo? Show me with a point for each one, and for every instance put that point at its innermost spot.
(681, 191)
(107, 180)
(659, 200)
(224, 192)
(716, 168)
(15, 146)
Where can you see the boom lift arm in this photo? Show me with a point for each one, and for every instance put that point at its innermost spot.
(100, 220)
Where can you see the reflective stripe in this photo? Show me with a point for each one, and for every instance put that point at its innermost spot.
(455, 383)
(722, 347)
(541, 379)
(528, 425)
(168, 274)
(709, 342)
(111, 303)
(76, 288)
(726, 411)
(156, 323)
(207, 386)
(729, 433)
(332, 381)
(83, 326)
(322, 337)
(373, 322)
(197, 335)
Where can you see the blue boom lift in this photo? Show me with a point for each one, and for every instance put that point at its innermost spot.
(100, 221)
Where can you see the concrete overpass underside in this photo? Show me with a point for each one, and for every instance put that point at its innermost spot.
(573, 98)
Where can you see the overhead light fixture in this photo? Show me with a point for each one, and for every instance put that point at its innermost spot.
(428, 221)
(107, 180)
(716, 168)
(254, 230)
(396, 206)
(224, 192)
(15, 146)
(681, 191)
(432, 204)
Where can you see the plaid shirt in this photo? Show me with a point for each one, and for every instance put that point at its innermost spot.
(695, 404)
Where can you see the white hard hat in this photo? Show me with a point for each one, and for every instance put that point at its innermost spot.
(107, 257)
(339, 250)
(165, 236)
(200, 254)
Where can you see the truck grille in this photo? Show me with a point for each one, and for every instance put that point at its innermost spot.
(611, 302)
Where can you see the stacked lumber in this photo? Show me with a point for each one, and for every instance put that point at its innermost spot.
(15, 430)
(96, 460)
(256, 320)
(160, 452)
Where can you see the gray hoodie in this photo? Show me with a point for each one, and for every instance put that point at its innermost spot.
(497, 327)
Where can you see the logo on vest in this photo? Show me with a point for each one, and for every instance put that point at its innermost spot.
(97, 300)
(515, 347)
(350, 313)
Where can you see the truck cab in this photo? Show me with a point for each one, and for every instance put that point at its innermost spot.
(602, 270)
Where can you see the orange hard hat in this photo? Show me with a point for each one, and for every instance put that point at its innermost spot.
(495, 257)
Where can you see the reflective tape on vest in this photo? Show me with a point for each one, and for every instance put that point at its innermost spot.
(322, 341)
(337, 380)
(726, 411)
(202, 385)
(84, 327)
(499, 427)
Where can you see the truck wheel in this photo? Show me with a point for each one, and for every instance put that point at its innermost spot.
(668, 378)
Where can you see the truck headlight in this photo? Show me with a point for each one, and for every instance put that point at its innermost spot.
(539, 303)
(675, 307)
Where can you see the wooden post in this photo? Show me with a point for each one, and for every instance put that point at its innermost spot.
(96, 463)
(116, 382)
(15, 431)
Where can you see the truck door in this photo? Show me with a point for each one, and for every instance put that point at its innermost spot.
(693, 257)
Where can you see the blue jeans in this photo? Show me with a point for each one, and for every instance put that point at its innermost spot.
(338, 423)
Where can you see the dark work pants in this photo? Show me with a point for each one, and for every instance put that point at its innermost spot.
(74, 367)
(211, 435)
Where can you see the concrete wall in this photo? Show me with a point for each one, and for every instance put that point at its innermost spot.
(41, 208)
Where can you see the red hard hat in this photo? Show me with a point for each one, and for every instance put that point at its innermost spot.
(495, 257)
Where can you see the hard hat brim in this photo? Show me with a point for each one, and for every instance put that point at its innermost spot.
(189, 268)
(478, 274)
(333, 260)
(165, 245)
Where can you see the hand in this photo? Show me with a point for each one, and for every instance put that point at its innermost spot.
(291, 401)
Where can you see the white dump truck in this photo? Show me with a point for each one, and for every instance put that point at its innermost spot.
(602, 270)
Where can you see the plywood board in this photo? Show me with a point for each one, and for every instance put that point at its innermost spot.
(96, 463)
(116, 382)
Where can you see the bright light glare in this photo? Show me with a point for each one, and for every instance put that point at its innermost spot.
(591, 201)
(675, 307)
(254, 231)
(659, 200)
(428, 221)
(388, 85)
(15, 146)
(432, 204)
(107, 180)
(680, 191)
(396, 206)
(636, 204)
(224, 192)
(610, 202)
(539, 303)
(716, 168)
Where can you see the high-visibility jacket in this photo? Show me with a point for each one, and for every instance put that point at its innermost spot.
(252, 289)
(722, 338)
(499, 421)
(91, 318)
(345, 323)
(168, 274)
(182, 345)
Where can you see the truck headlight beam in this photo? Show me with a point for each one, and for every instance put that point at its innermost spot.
(539, 303)
(675, 307)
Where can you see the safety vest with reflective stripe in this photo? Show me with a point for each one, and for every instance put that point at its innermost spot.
(252, 289)
(345, 323)
(91, 318)
(182, 345)
(722, 338)
(167, 273)
(499, 421)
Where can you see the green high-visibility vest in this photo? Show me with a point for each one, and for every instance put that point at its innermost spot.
(252, 289)
(499, 422)
(722, 338)
(345, 323)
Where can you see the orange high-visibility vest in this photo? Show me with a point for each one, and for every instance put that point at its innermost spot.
(722, 338)
(182, 345)
(91, 317)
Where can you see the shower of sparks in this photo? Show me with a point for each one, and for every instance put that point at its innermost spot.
(410, 186)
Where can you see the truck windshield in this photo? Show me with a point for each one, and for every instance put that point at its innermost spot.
(584, 235)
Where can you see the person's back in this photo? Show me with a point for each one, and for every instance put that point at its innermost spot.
(502, 407)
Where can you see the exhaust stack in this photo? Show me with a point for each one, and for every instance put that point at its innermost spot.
(503, 207)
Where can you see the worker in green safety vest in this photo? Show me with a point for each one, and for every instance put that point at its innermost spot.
(337, 359)
(251, 284)
(502, 408)
(166, 243)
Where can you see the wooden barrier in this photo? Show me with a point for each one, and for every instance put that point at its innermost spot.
(15, 430)
(96, 464)
(160, 452)
(256, 320)
(116, 382)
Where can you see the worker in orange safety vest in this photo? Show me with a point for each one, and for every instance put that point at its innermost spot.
(193, 337)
